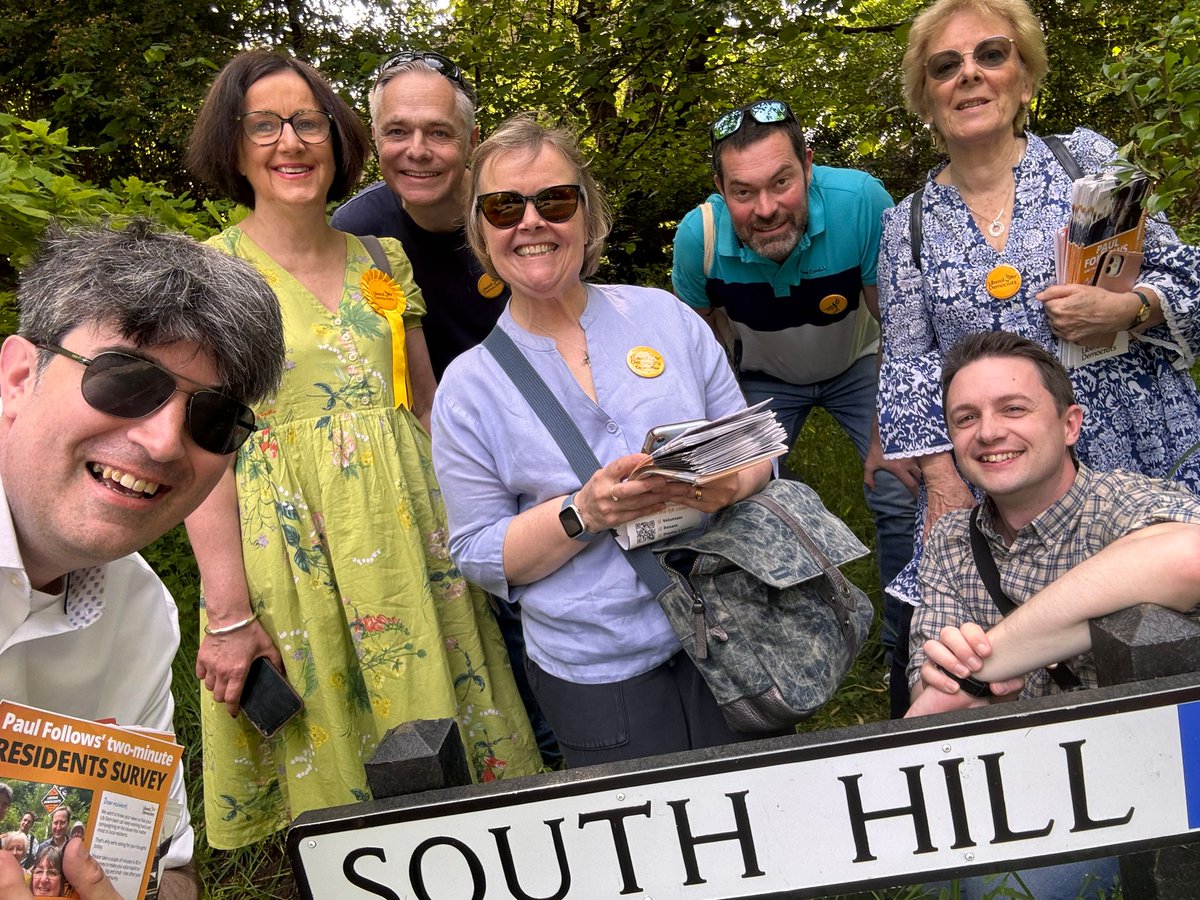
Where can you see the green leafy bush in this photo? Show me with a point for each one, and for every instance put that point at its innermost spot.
(1159, 78)
(37, 186)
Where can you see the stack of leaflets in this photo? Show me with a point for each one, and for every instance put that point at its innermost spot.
(1102, 245)
(711, 450)
(113, 780)
(696, 453)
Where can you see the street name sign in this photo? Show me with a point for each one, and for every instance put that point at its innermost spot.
(1067, 777)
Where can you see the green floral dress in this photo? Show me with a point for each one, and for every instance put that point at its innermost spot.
(345, 545)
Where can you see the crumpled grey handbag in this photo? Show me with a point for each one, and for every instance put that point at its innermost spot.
(760, 606)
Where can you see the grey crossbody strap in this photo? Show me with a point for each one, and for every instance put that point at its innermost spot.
(375, 248)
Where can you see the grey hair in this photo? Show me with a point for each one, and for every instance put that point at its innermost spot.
(10, 836)
(156, 288)
(464, 103)
(1015, 14)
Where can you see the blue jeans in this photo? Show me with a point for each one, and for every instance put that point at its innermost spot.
(850, 399)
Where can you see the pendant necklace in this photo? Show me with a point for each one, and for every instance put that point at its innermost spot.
(996, 228)
(587, 359)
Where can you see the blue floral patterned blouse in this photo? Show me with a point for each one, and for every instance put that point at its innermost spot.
(1141, 409)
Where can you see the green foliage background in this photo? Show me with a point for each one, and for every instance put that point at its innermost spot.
(98, 99)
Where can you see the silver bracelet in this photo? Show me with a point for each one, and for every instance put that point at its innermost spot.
(230, 629)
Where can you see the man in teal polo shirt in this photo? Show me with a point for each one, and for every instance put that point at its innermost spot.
(790, 261)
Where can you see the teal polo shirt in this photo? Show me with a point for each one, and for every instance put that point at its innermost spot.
(802, 320)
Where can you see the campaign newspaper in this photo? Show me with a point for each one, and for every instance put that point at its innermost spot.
(114, 780)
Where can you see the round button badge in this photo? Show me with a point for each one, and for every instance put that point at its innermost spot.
(645, 361)
(1003, 281)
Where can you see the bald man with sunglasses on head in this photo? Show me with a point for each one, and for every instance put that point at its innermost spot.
(787, 256)
(125, 395)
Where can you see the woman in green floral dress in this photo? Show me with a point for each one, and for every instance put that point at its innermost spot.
(324, 549)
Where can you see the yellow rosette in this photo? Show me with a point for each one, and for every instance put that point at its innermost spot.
(385, 297)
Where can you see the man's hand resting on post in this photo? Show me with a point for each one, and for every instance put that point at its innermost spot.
(961, 652)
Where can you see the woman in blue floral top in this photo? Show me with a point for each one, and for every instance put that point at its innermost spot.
(989, 216)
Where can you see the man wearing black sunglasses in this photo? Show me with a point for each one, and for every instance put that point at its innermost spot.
(123, 399)
(423, 123)
(782, 262)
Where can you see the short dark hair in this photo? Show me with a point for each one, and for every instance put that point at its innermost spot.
(212, 153)
(156, 288)
(52, 854)
(1006, 345)
(751, 132)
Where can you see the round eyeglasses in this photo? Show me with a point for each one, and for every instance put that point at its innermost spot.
(990, 53)
(264, 128)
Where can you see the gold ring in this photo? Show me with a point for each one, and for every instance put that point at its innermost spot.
(613, 494)
(699, 493)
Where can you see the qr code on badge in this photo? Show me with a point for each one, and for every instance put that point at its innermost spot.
(645, 532)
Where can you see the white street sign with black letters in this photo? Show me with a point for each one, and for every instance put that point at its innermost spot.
(891, 803)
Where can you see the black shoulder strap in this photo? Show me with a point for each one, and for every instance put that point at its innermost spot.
(566, 434)
(1064, 156)
(986, 564)
(915, 228)
(375, 248)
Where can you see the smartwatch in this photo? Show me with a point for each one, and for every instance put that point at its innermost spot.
(970, 684)
(572, 521)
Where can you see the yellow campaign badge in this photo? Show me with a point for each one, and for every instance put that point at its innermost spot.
(1003, 281)
(833, 304)
(490, 287)
(646, 362)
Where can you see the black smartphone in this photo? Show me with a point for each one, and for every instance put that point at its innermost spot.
(268, 701)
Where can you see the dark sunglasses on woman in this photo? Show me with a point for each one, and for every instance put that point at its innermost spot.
(505, 209)
(764, 112)
(130, 387)
(990, 53)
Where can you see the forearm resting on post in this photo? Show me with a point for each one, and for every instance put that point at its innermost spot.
(1157, 564)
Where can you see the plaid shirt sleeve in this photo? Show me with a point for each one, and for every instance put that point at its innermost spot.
(951, 591)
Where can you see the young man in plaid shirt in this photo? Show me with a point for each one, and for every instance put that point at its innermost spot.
(1070, 544)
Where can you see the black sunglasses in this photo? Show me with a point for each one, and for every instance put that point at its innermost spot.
(764, 112)
(130, 387)
(435, 61)
(990, 53)
(504, 209)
